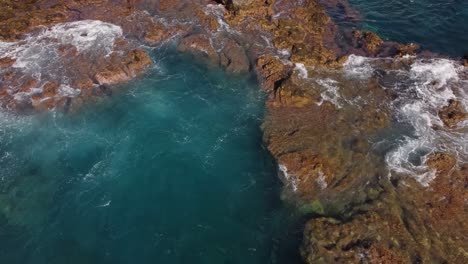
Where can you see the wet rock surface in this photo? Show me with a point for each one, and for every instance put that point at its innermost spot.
(452, 114)
(90, 44)
(333, 119)
(323, 126)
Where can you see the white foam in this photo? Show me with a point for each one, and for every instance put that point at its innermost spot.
(284, 52)
(218, 11)
(423, 87)
(38, 50)
(358, 66)
(321, 181)
(68, 91)
(38, 55)
(430, 89)
(106, 204)
(440, 71)
(291, 180)
(331, 92)
(301, 68)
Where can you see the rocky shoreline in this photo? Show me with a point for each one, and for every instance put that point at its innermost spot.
(332, 103)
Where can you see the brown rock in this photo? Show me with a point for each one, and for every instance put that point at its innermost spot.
(441, 162)
(172, 5)
(452, 114)
(50, 89)
(236, 60)
(200, 46)
(367, 239)
(112, 75)
(208, 21)
(286, 97)
(408, 49)
(307, 172)
(7, 76)
(136, 62)
(370, 41)
(67, 50)
(272, 71)
(6, 62)
(132, 65)
(28, 85)
(158, 33)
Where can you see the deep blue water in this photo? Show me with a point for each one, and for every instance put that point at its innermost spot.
(169, 170)
(438, 25)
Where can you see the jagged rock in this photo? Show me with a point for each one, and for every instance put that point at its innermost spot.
(271, 71)
(236, 60)
(357, 213)
(199, 45)
(135, 62)
(158, 33)
(369, 238)
(452, 114)
(408, 49)
(441, 162)
(369, 41)
(305, 173)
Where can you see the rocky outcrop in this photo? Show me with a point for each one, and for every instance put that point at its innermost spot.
(231, 56)
(86, 72)
(135, 62)
(452, 114)
(272, 71)
(199, 45)
(319, 123)
(406, 224)
(368, 40)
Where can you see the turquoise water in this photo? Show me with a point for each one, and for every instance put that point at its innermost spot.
(169, 170)
(438, 25)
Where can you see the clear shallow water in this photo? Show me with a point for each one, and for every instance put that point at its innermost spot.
(170, 170)
(438, 25)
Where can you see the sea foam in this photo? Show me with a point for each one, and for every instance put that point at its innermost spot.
(432, 85)
(38, 56)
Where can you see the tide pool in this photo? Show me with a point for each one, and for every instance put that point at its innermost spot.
(169, 169)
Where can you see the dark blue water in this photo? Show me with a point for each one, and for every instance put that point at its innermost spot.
(438, 25)
(170, 170)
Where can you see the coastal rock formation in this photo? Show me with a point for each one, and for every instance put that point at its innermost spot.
(331, 113)
(452, 114)
(199, 45)
(134, 63)
(319, 134)
(79, 71)
(368, 40)
(272, 71)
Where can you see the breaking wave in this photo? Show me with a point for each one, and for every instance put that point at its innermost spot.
(423, 87)
(39, 50)
(39, 54)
